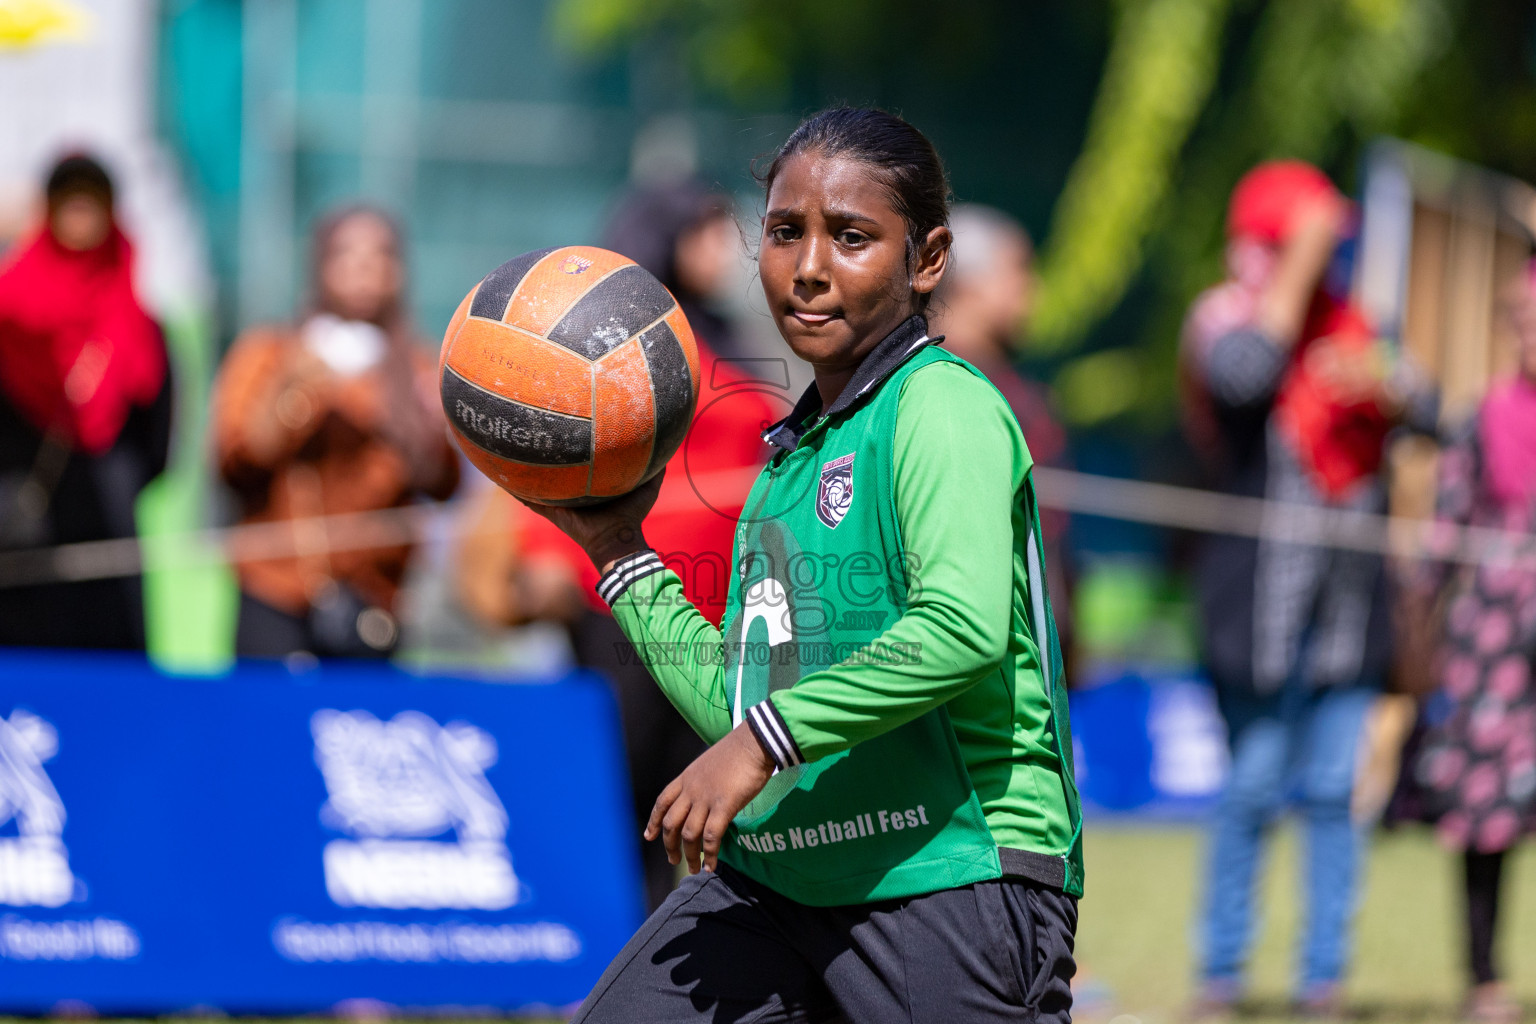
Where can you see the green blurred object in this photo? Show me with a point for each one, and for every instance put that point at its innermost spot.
(1099, 386)
(1160, 69)
(745, 50)
(189, 595)
(1132, 611)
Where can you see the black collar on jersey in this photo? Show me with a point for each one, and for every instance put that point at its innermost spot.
(896, 348)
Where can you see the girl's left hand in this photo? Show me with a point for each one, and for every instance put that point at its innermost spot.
(696, 808)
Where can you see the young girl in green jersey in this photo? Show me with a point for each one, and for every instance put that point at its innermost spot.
(886, 821)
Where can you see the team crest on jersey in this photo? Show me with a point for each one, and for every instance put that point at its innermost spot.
(575, 264)
(836, 491)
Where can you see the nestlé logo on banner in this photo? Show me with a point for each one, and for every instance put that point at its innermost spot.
(34, 863)
(395, 788)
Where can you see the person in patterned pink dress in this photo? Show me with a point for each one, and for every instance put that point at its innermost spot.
(1477, 768)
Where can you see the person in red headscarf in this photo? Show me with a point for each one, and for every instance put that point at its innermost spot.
(1289, 395)
(85, 406)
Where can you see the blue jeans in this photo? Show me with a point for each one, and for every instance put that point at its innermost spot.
(1299, 743)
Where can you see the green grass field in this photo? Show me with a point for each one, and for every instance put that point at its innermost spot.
(1135, 927)
(1133, 938)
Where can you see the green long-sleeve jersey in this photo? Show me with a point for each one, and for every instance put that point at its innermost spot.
(889, 610)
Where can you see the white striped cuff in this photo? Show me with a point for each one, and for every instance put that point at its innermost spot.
(626, 571)
(772, 732)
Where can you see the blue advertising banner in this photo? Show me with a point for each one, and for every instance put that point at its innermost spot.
(1148, 744)
(269, 843)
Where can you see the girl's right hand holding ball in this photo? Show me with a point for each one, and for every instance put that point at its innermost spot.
(609, 531)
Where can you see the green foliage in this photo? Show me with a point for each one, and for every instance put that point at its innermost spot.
(1324, 77)
(1191, 94)
(1159, 72)
(744, 50)
(1100, 385)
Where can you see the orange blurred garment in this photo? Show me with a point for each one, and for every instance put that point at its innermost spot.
(353, 444)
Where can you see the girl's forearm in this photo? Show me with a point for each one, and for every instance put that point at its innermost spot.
(675, 642)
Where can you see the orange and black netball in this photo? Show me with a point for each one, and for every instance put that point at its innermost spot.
(569, 376)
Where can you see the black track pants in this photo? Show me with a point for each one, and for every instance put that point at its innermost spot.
(727, 950)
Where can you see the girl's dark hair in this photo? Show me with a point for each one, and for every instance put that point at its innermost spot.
(77, 173)
(648, 222)
(902, 158)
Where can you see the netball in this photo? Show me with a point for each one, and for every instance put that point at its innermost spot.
(569, 376)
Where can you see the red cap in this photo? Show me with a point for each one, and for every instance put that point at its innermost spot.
(1265, 201)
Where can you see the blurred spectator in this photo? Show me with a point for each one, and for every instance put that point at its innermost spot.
(981, 308)
(1290, 396)
(1476, 772)
(85, 410)
(529, 570)
(686, 235)
(338, 414)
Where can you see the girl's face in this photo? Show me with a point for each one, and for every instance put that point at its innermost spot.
(360, 276)
(706, 254)
(80, 222)
(834, 260)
